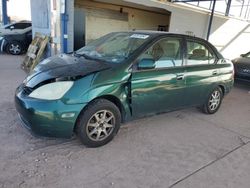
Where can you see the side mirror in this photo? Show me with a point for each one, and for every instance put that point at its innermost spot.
(12, 27)
(242, 55)
(146, 64)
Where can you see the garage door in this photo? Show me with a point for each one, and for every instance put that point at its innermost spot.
(101, 22)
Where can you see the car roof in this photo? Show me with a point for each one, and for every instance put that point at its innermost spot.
(152, 32)
(23, 21)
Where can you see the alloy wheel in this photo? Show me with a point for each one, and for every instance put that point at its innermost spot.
(100, 125)
(214, 100)
(15, 49)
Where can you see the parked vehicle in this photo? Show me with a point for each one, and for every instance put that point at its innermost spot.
(15, 38)
(242, 67)
(16, 28)
(119, 77)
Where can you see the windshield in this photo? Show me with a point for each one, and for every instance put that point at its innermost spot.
(114, 47)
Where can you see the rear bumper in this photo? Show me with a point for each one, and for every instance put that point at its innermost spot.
(47, 118)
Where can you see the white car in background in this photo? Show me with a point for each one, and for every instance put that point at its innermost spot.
(16, 28)
(15, 37)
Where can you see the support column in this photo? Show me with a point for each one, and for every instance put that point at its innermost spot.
(4, 12)
(64, 30)
(67, 25)
(211, 20)
(228, 7)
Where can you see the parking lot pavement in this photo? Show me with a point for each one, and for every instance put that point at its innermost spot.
(179, 149)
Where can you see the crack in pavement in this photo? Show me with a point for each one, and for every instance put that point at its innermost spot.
(220, 127)
(209, 164)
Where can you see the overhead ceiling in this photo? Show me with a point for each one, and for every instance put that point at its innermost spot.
(134, 5)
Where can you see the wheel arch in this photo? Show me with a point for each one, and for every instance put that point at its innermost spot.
(10, 41)
(223, 88)
(115, 100)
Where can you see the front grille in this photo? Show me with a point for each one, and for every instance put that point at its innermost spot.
(243, 70)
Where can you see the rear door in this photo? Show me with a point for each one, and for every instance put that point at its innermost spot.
(161, 88)
(201, 71)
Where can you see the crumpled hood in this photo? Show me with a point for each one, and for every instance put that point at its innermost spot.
(63, 66)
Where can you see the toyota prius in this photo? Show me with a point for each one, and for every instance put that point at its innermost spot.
(119, 77)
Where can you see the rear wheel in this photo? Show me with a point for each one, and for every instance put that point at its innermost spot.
(98, 123)
(15, 48)
(214, 101)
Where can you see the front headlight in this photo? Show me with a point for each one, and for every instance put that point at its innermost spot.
(52, 91)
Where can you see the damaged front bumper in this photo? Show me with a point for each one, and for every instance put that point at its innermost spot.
(47, 118)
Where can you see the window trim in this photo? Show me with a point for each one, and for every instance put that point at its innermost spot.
(182, 51)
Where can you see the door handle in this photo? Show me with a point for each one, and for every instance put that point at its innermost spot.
(214, 72)
(180, 77)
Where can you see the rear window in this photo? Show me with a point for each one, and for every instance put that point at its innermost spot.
(199, 54)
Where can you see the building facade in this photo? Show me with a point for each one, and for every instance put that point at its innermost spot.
(73, 23)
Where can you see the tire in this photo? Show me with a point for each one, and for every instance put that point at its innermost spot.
(213, 102)
(15, 48)
(93, 129)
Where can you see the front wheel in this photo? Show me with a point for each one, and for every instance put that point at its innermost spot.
(15, 48)
(98, 123)
(213, 102)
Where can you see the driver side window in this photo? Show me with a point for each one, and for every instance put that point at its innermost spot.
(165, 53)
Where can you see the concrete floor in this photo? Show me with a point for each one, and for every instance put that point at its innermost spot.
(179, 149)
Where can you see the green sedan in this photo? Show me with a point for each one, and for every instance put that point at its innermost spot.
(120, 77)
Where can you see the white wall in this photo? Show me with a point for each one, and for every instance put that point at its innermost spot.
(183, 21)
(46, 20)
(41, 18)
(231, 36)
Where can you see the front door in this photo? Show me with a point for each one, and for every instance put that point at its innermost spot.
(159, 88)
